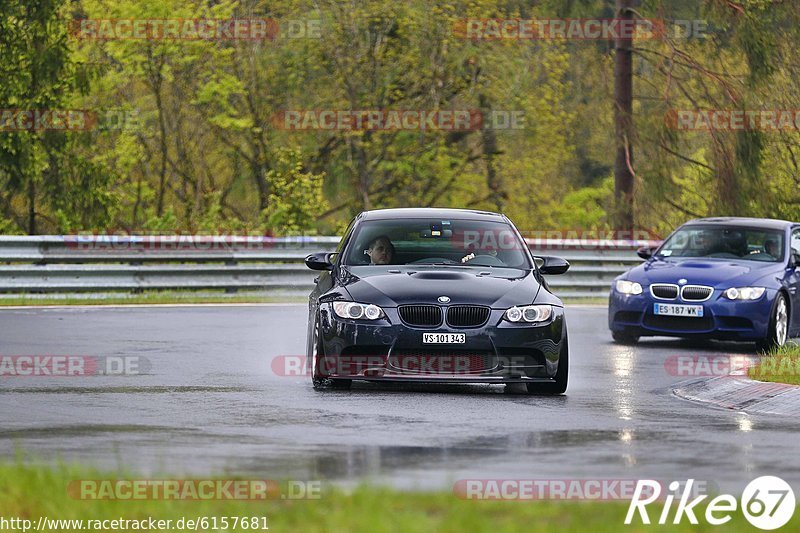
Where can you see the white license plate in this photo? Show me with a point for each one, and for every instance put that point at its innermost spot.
(443, 338)
(695, 311)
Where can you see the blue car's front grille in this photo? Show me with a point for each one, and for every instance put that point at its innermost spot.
(696, 293)
(664, 291)
(678, 323)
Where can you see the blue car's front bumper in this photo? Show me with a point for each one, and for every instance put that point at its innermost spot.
(722, 318)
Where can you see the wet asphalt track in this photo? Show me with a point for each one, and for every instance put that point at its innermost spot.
(211, 404)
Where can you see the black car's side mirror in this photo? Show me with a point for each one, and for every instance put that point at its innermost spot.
(553, 265)
(320, 261)
(795, 260)
(645, 252)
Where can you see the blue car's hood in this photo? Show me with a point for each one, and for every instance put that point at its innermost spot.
(713, 272)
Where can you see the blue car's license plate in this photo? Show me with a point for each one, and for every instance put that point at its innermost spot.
(695, 311)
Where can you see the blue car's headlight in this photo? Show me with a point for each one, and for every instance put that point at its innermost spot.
(628, 287)
(529, 313)
(744, 293)
(357, 311)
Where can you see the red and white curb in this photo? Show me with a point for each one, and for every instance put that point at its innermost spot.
(739, 393)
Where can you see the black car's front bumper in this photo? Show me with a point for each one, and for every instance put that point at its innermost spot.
(389, 350)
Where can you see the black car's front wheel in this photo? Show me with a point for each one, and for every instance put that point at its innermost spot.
(778, 332)
(320, 378)
(559, 386)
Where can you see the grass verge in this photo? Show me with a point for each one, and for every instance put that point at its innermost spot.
(30, 492)
(782, 365)
(156, 297)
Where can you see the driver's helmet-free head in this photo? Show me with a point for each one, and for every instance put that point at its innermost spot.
(380, 250)
(771, 247)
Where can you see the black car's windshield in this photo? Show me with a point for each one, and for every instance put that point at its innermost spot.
(436, 242)
(725, 242)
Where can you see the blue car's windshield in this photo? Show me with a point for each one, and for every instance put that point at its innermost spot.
(725, 242)
(436, 242)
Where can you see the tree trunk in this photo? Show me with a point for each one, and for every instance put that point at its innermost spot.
(489, 142)
(623, 122)
(31, 206)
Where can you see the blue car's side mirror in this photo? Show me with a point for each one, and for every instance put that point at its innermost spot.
(645, 252)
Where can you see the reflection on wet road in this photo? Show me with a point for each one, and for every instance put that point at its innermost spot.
(212, 404)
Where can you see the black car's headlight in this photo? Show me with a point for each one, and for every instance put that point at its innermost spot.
(357, 311)
(628, 287)
(529, 313)
(744, 293)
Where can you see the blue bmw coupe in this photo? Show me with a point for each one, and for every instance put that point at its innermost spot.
(715, 278)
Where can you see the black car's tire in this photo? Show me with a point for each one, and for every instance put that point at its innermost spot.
(335, 384)
(562, 376)
(778, 332)
(341, 384)
(624, 338)
(319, 380)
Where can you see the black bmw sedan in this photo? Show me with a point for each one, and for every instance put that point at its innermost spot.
(436, 295)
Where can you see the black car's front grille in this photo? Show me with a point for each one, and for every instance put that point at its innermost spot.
(422, 361)
(664, 291)
(696, 293)
(679, 323)
(466, 316)
(421, 315)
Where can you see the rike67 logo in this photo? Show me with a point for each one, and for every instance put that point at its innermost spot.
(767, 503)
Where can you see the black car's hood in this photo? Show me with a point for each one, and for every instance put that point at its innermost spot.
(398, 285)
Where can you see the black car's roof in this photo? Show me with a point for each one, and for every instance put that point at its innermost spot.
(763, 223)
(430, 212)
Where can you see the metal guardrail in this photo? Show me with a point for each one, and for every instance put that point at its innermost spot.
(61, 264)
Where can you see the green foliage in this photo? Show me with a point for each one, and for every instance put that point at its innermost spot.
(587, 207)
(201, 151)
(296, 196)
(166, 223)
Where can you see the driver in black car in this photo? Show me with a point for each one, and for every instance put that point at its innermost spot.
(380, 250)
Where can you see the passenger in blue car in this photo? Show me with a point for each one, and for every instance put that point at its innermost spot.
(771, 247)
